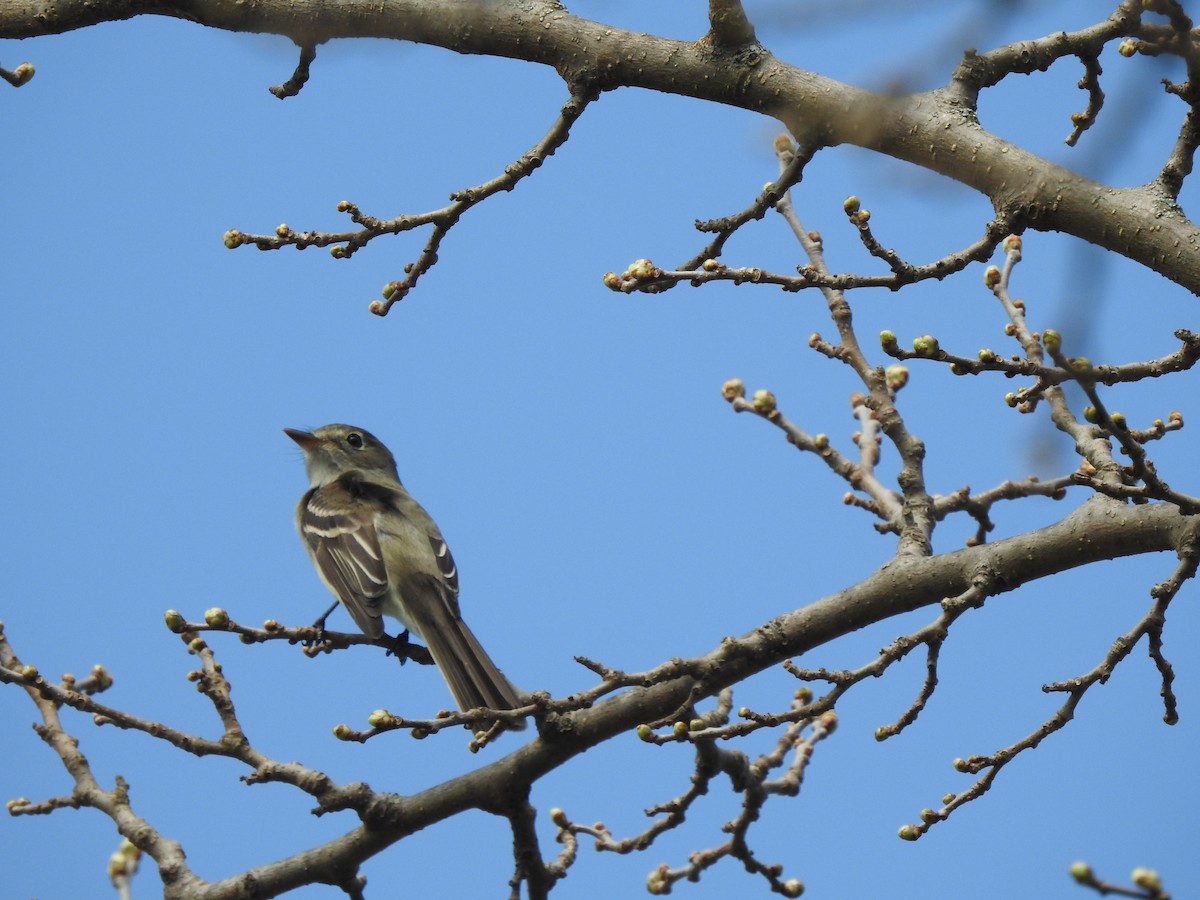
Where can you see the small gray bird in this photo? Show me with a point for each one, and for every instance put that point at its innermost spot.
(381, 554)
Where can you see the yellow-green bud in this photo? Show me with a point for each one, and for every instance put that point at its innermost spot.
(337, 251)
(829, 721)
(733, 388)
(821, 441)
(793, 887)
(991, 276)
(783, 143)
(197, 645)
(612, 280)
(342, 732)
(282, 230)
(679, 729)
(344, 205)
(712, 265)
(947, 799)
(641, 268)
(29, 673)
(1118, 420)
(925, 345)
(887, 340)
(1127, 47)
(929, 815)
(1012, 243)
(1081, 872)
(896, 377)
(803, 695)
(232, 238)
(175, 621)
(696, 725)
(216, 617)
(1146, 878)
(379, 717)
(376, 308)
(763, 402)
(645, 732)
(1051, 340)
(1080, 365)
(851, 205)
(908, 832)
(960, 765)
(1010, 399)
(559, 817)
(23, 73)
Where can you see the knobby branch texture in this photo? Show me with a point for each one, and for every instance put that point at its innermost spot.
(937, 130)
(1129, 509)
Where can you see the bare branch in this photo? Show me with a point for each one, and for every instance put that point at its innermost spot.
(291, 87)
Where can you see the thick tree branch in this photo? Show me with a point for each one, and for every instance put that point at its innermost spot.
(937, 130)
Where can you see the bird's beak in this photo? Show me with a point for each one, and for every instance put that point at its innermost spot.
(306, 440)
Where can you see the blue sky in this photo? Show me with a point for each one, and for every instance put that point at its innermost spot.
(599, 496)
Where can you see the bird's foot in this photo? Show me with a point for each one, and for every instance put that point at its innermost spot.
(399, 646)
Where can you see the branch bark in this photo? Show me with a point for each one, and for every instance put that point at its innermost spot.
(937, 130)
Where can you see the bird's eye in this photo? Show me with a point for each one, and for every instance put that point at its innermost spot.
(355, 440)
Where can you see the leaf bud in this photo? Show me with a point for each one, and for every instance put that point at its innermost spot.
(733, 388)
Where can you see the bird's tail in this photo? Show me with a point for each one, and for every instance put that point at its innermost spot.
(472, 677)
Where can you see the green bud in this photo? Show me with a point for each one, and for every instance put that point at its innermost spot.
(991, 276)
(793, 887)
(1146, 879)
(645, 732)
(925, 345)
(733, 388)
(379, 717)
(1051, 340)
(216, 617)
(1081, 872)
(763, 402)
(342, 732)
(175, 621)
(851, 205)
(640, 269)
(896, 377)
(887, 340)
(908, 832)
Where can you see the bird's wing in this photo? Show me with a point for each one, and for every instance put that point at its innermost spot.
(337, 523)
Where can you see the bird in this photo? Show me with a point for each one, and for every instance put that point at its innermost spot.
(380, 553)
